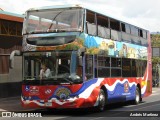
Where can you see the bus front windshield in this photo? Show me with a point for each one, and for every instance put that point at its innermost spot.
(53, 20)
(52, 66)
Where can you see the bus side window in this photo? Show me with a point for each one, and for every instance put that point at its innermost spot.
(91, 23)
(126, 67)
(103, 66)
(102, 24)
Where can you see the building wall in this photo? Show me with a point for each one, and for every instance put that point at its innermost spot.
(10, 39)
(10, 83)
(15, 74)
(10, 79)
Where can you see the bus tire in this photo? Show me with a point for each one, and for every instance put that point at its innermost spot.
(137, 97)
(102, 101)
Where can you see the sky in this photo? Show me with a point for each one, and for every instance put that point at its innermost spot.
(142, 13)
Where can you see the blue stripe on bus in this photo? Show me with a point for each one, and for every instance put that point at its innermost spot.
(117, 93)
(85, 86)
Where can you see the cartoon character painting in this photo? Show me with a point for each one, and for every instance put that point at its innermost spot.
(124, 50)
(111, 48)
(131, 53)
(103, 48)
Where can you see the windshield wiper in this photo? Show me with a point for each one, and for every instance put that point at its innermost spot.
(54, 19)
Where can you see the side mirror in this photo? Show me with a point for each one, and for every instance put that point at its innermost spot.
(11, 59)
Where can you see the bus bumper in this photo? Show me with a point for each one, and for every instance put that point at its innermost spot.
(55, 103)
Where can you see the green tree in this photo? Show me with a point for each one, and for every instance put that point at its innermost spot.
(155, 42)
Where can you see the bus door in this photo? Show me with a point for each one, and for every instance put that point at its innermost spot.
(89, 67)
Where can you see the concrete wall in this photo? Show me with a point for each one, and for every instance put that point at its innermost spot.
(10, 84)
(15, 74)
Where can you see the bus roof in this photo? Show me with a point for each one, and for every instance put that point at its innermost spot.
(56, 7)
(81, 6)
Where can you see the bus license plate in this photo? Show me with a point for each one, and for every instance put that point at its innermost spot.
(48, 104)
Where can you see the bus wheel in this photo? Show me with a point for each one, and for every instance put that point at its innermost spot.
(102, 100)
(138, 96)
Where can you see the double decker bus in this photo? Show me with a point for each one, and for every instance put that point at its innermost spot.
(93, 59)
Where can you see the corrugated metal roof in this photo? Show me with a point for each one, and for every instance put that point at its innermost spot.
(11, 16)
